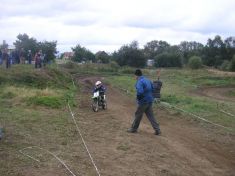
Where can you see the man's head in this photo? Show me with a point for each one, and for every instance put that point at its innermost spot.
(138, 72)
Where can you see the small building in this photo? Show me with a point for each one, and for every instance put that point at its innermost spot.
(150, 62)
(68, 55)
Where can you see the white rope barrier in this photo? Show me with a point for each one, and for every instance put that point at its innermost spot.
(21, 151)
(227, 113)
(169, 105)
(84, 143)
(47, 151)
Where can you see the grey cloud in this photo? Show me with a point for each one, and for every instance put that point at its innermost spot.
(41, 8)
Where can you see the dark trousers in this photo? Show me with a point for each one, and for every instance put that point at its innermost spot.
(38, 65)
(148, 110)
(8, 63)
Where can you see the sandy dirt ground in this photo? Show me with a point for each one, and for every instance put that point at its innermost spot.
(186, 147)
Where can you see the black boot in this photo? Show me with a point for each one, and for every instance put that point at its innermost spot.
(157, 132)
(131, 130)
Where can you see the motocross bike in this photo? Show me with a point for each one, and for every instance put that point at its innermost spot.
(98, 100)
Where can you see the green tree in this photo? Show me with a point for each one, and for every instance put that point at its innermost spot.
(24, 42)
(230, 47)
(155, 47)
(49, 49)
(82, 54)
(130, 55)
(168, 60)
(189, 49)
(102, 56)
(195, 62)
(215, 52)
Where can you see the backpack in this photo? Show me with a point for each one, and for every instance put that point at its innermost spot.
(157, 85)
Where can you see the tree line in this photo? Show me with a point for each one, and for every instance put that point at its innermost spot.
(216, 52)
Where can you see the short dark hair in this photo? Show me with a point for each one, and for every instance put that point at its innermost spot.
(138, 72)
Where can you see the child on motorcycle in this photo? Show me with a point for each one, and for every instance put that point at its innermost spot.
(99, 87)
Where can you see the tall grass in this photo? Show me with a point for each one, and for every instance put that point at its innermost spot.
(50, 87)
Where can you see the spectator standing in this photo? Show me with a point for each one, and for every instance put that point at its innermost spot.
(29, 57)
(38, 62)
(22, 58)
(0, 57)
(6, 58)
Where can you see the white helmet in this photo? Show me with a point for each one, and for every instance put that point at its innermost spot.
(98, 83)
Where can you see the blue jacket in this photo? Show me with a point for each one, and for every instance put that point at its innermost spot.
(144, 90)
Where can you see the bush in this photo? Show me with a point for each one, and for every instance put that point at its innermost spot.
(168, 60)
(232, 64)
(69, 65)
(225, 65)
(195, 62)
(114, 65)
(8, 95)
(127, 70)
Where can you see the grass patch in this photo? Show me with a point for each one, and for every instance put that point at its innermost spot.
(230, 93)
(53, 102)
(124, 82)
(26, 75)
(214, 81)
(8, 95)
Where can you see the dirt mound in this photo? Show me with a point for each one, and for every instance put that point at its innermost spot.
(185, 148)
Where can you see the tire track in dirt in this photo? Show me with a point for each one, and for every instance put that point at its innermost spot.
(185, 148)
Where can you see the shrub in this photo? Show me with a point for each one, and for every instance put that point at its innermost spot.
(195, 62)
(168, 60)
(225, 65)
(114, 65)
(232, 64)
(8, 95)
(127, 70)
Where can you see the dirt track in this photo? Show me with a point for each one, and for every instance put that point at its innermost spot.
(219, 93)
(184, 148)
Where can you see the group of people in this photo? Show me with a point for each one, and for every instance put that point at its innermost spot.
(21, 57)
(145, 96)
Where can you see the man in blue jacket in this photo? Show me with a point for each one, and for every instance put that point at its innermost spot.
(144, 96)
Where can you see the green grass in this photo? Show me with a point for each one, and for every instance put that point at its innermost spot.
(33, 112)
(53, 102)
(231, 93)
(26, 75)
(49, 87)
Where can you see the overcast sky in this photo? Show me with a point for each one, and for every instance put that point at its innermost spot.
(108, 24)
